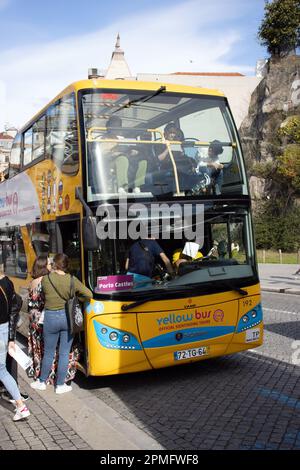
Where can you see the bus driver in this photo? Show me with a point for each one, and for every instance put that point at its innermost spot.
(141, 261)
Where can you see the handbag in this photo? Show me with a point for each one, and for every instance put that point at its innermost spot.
(73, 309)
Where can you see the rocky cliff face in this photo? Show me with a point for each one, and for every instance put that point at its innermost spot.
(276, 97)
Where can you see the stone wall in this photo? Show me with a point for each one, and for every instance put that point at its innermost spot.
(276, 97)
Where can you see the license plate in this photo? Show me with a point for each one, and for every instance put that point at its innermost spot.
(190, 353)
(252, 335)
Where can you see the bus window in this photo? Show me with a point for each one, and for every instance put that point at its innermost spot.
(182, 166)
(228, 240)
(38, 138)
(207, 125)
(62, 137)
(238, 238)
(27, 152)
(15, 156)
(108, 260)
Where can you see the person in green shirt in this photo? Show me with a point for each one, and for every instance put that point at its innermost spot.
(56, 287)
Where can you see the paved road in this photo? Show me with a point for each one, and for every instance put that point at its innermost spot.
(250, 400)
(279, 278)
(246, 401)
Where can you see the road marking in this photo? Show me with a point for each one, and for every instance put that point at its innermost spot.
(280, 311)
(291, 402)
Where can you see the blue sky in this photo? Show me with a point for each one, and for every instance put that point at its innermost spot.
(47, 45)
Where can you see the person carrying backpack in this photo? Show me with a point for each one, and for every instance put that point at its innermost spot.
(56, 288)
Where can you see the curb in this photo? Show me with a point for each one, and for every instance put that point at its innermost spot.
(281, 290)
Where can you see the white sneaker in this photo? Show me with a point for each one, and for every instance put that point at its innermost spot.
(21, 413)
(63, 388)
(137, 190)
(38, 385)
(122, 191)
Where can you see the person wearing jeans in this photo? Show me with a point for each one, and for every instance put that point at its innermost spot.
(7, 379)
(9, 311)
(12, 368)
(57, 287)
(56, 327)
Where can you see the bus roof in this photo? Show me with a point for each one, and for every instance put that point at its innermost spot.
(127, 85)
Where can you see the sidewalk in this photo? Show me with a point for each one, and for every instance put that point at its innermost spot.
(44, 429)
(74, 421)
(279, 278)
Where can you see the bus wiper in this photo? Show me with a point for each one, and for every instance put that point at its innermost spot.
(126, 307)
(142, 99)
(234, 288)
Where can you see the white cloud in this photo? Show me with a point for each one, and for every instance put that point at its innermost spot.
(180, 38)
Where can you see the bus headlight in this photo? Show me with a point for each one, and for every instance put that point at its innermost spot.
(253, 314)
(245, 318)
(126, 338)
(104, 331)
(113, 336)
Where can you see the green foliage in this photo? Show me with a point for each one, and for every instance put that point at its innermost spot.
(284, 170)
(277, 228)
(289, 166)
(277, 221)
(291, 129)
(279, 30)
(264, 169)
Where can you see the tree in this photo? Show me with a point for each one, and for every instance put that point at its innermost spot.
(280, 28)
(288, 164)
(277, 226)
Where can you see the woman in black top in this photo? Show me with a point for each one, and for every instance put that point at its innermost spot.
(8, 323)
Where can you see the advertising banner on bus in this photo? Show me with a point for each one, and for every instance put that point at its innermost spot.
(18, 201)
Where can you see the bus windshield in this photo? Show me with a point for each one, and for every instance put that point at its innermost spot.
(225, 253)
(167, 144)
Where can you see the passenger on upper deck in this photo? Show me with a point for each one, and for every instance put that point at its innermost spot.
(171, 133)
(185, 164)
(129, 166)
(213, 166)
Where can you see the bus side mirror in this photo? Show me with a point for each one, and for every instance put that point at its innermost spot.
(89, 235)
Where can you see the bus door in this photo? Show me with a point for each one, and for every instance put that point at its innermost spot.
(68, 242)
(188, 330)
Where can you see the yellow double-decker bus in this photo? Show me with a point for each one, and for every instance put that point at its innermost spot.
(97, 169)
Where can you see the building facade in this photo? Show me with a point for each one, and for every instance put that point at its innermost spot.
(6, 141)
(236, 87)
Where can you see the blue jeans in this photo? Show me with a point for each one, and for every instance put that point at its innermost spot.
(5, 377)
(56, 328)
